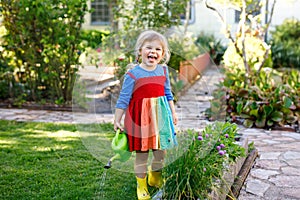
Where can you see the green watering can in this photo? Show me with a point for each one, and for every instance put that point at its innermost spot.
(119, 145)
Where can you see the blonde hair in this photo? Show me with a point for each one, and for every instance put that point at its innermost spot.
(148, 36)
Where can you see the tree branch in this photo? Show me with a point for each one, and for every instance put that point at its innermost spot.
(271, 16)
(228, 32)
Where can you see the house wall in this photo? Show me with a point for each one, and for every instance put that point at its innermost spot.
(207, 20)
(285, 9)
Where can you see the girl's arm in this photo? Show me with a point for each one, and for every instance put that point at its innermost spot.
(174, 115)
(118, 117)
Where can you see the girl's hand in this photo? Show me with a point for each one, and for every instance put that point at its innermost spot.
(117, 126)
(118, 116)
(175, 118)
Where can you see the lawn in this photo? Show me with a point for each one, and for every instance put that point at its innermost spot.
(52, 161)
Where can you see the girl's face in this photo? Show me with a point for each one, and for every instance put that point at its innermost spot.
(151, 53)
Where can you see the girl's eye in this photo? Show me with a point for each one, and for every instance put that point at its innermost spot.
(158, 49)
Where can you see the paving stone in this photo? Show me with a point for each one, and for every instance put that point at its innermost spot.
(257, 187)
(269, 155)
(290, 155)
(270, 141)
(293, 193)
(248, 196)
(290, 146)
(284, 139)
(286, 181)
(292, 135)
(263, 174)
(270, 164)
(291, 170)
(295, 163)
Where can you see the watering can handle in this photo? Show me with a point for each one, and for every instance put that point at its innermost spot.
(118, 132)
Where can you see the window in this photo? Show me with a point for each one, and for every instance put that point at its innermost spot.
(101, 12)
(252, 9)
(192, 14)
(237, 15)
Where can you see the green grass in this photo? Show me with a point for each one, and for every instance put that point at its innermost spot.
(51, 161)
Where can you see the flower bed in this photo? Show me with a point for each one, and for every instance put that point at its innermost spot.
(202, 169)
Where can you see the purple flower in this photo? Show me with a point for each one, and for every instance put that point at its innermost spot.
(200, 133)
(200, 137)
(206, 135)
(204, 169)
(218, 148)
(226, 135)
(222, 146)
(221, 153)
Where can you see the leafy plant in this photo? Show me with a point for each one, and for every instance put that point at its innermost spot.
(273, 99)
(201, 167)
(285, 48)
(182, 48)
(93, 38)
(209, 43)
(248, 39)
(43, 44)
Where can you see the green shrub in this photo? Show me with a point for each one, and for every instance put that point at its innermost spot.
(93, 38)
(43, 43)
(255, 50)
(272, 99)
(182, 48)
(285, 44)
(202, 165)
(209, 43)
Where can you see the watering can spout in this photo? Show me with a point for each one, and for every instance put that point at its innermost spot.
(108, 165)
(120, 147)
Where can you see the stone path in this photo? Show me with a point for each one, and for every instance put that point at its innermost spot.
(276, 172)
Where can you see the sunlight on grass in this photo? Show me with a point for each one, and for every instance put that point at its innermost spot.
(55, 161)
(7, 142)
(58, 135)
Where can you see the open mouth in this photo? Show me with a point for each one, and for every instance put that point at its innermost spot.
(152, 57)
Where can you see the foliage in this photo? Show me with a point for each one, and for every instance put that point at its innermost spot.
(137, 16)
(182, 48)
(43, 45)
(93, 38)
(285, 44)
(212, 45)
(272, 100)
(255, 51)
(144, 15)
(202, 165)
(249, 34)
(122, 64)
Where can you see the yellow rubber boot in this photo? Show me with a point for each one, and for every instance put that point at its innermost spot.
(142, 189)
(155, 179)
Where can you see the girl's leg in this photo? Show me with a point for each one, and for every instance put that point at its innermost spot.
(155, 178)
(140, 168)
(158, 160)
